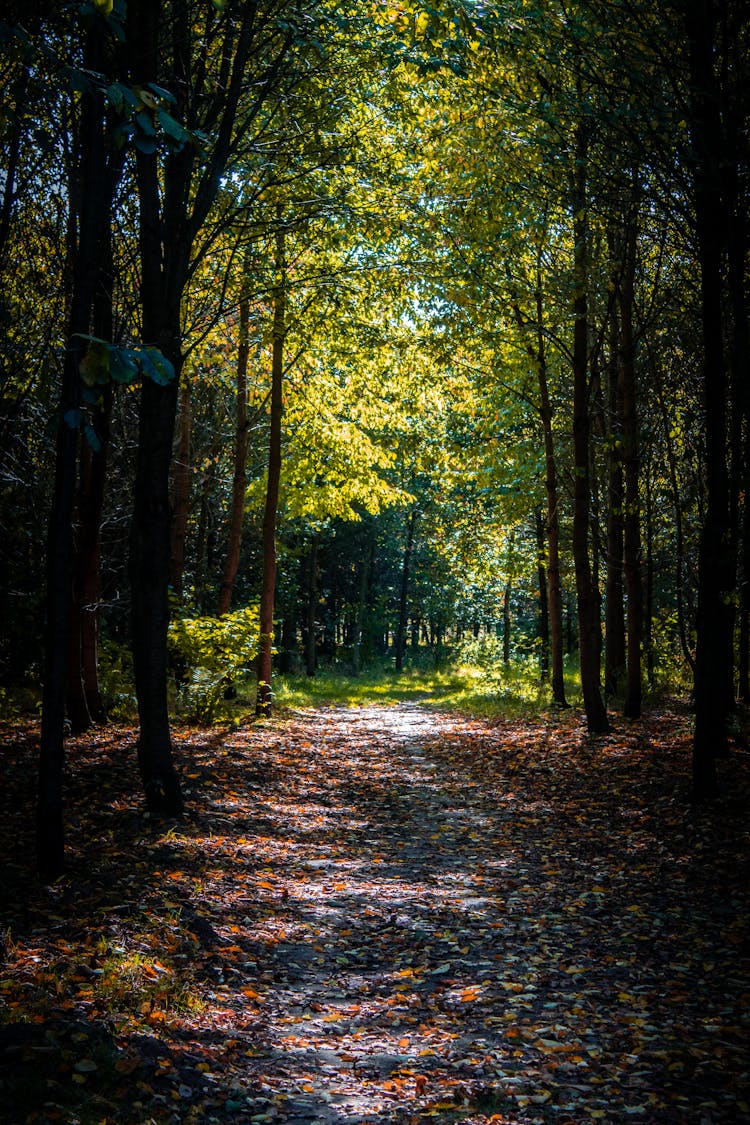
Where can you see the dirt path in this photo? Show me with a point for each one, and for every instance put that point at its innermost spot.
(390, 915)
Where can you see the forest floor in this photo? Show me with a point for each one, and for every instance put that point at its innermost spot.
(382, 914)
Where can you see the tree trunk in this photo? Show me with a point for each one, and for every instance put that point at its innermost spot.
(312, 608)
(181, 492)
(614, 625)
(553, 519)
(150, 546)
(237, 510)
(84, 700)
(263, 705)
(403, 604)
(679, 560)
(543, 619)
(365, 569)
(710, 738)
(506, 621)
(94, 217)
(589, 626)
(633, 580)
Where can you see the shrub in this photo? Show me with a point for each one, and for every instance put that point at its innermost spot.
(116, 680)
(212, 653)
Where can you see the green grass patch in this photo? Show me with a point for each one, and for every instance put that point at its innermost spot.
(494, 692)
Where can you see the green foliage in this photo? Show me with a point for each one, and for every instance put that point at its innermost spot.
(511, 690)
(210, 654)
(116, 681)
(484, 651)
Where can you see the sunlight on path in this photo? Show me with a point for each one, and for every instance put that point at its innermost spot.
(407, 936)
(389, 915)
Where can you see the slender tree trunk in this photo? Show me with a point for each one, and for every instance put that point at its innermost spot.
(268, 589)
(543, 620)
(365, 570)
(94, 217)
(614, 626)
(633, 580)
(740, 344)
(13, 152)
(237, 510)
(589, 626)
(553, 520)
(181, 491)
(710, 739)
(506, 621)
(84, 700)
(648, 622)
(204, 534)
(403, 604)
(679, 560)
(312, 608)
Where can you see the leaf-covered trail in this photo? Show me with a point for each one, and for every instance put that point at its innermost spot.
(387, 914)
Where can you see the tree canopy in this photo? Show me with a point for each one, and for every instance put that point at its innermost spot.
(389, 327)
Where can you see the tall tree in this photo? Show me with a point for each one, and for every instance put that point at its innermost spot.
(93, 224)
(589, 622)
(264, 704)
(222, 67)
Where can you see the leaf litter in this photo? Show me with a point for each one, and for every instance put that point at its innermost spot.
(383, 914)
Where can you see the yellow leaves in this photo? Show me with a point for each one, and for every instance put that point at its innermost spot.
(421, 24)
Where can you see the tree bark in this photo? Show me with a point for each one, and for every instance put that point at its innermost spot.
(93, 219)
(543, 618)
(263, 705)
(150, 546)
(311, 660)
(365, 569)
(403, 603)
(614, 625)
(589, 625)
(632, 528)
(237, 510)
(710, 738)
(553, 518)
(181, 492)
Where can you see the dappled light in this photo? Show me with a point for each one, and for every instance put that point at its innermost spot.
(389, 914)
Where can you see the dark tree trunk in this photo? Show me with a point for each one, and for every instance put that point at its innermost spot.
(679, 560)
(93, 220)
(543, 620)
(268, 588)
(365, 571)
(312, 608)
(553, 519)
(181, 492)
(614, 625)
(84, 700)
(13, 152)
(589, 625)
(648, 623)
(633, 580)
(711, 660)
(237, 510)
(150, 538)
(175, 196)
(403, 603)
(506, 621)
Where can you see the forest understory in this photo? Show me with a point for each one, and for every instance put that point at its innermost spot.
(382, 914)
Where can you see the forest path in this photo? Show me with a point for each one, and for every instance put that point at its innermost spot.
(393, 914)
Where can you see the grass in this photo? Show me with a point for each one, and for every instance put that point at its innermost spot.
(491, 692)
